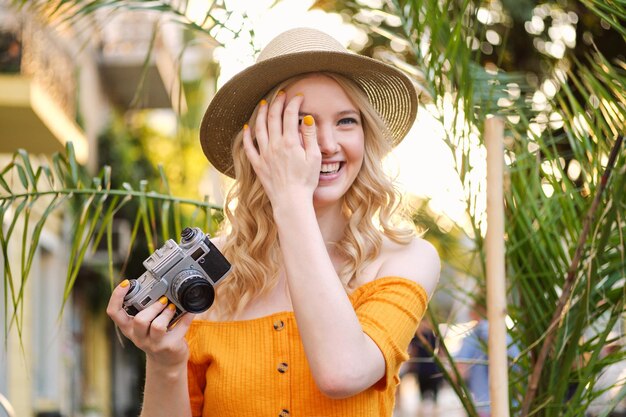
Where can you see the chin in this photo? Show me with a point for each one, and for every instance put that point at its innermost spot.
(327, 199)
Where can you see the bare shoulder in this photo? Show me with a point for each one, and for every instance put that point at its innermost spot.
(417, 261)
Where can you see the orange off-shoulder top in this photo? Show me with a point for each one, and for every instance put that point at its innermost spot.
(257, 367)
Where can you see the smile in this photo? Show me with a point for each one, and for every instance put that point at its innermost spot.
(330, 168)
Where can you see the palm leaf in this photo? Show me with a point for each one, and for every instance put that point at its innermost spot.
(92, 202)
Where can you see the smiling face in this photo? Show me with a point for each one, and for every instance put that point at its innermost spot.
(339, 135)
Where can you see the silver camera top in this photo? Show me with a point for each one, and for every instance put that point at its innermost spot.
(159, 262)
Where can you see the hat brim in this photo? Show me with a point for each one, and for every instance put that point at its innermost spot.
(389, 90)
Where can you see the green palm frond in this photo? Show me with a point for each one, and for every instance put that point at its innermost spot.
(33, 196)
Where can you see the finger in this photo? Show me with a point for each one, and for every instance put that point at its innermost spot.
(179, 328)
(291, 119)
(144, 318)
(248, 146)
(275, 117)
(159, 325)
(115, 308)
(309, 135)
(260, 126)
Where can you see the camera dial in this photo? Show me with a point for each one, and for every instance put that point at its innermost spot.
(192, 291)
(187, 234)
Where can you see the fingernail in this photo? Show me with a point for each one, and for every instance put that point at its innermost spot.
(300, 94)
(280, 93)
(263, 102)
(308, 120)
(171, 307)
(124, 283)
(163, 300)
(245, 127)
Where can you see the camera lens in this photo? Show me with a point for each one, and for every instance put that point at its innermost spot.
(195, 294)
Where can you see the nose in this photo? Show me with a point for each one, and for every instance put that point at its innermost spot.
(326, 140)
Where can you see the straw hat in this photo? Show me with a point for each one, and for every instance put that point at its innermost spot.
(294, 52)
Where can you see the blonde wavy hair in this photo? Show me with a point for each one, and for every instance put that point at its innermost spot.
(373, 207)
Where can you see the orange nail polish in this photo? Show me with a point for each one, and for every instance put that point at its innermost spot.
(245, 127)
(263, 102)
(280, 93)
(300, 94)
(163, 300)
(171, 307)
(124, 283)
(308, 120)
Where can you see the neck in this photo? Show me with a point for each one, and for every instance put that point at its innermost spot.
(332, 222)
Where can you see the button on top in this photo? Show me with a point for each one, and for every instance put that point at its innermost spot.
(282, 367)
(279, 325)
(284, 413)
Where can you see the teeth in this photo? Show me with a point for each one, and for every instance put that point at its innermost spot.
(330, 168)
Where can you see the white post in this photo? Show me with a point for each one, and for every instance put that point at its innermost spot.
(496, 288)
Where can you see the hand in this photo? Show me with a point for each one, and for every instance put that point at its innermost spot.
(148, 329)
(288, 158)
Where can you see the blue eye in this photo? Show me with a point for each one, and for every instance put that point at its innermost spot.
(347, 120)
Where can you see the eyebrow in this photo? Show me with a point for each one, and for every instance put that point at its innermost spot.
(341, 113)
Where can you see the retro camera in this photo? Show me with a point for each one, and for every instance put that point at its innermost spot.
(185, 274)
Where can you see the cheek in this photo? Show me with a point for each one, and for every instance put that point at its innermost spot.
(359, 155)
(357, 150)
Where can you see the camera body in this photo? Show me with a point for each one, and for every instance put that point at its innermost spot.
(186, 274)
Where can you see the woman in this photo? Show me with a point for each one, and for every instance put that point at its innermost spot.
(326, 289)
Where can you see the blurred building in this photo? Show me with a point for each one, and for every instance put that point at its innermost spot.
(58, 83)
